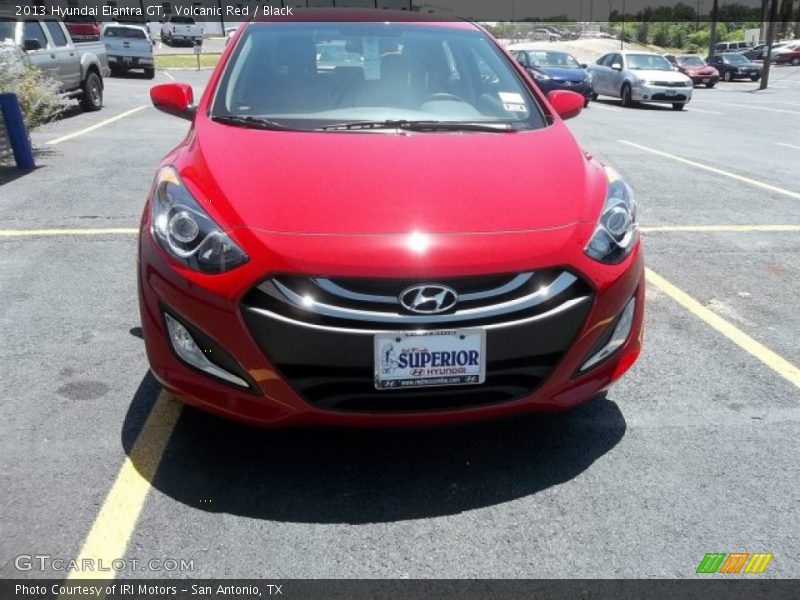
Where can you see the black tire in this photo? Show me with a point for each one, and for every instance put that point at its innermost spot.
(585, 102)
(625, 94)
(726, 76)
(92, 98)
(594, 97)
(710, 84)
(150, 73)
(796, 61)
(755, 77)
(114, 72)
(678, 105)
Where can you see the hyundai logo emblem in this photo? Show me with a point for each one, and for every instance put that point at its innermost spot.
(428, 299)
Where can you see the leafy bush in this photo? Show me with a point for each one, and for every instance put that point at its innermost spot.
(37, 93)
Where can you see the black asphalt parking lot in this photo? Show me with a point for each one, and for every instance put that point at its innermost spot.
(695, 450)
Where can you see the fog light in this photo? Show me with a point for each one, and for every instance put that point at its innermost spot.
(621, 331)
(188, 350)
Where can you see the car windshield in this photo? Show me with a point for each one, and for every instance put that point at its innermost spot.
(691, 61)
(313, 75)
(735, 59)
(556, 60)
(124, 32)
(649, 62)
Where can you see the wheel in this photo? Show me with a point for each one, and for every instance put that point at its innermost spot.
(755, 77)
(678, 105)
(796, 61)
(727, 76)
(625, 93)
(150, 73)
(92, 98)
(585, 103)
(710, 84)
(594, 96)
(114, 71)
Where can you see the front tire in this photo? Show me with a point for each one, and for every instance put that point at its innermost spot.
(710, 84)
(678, 105)
(92, 98)
(755, 77)
(150, 73)
(594, 97)
(625, 94)
(726, 76)
(796, 61)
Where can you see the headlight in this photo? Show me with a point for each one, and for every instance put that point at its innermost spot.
(541, 76)
(186, 232)
(616, 230)
(589, 77)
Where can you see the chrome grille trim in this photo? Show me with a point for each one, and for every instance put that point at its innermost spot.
(564, 307)
(559, 285)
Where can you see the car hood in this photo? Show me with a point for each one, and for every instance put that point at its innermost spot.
(375, 183)
(659, 75)
(565, 74)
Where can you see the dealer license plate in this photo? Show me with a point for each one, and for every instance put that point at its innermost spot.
(706, 80)
(671, 92)
(409, 359)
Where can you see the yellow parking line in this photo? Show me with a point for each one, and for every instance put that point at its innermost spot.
(112, 528)
(753, 182)
(775, 362)
(719, 228)
(46, 232)
(127, 113)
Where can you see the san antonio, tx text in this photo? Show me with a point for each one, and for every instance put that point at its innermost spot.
(64, 589)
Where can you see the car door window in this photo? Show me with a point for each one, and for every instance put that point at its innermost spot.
(33, 31)
(605, 61)
(59, 39)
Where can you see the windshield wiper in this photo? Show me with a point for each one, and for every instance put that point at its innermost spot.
(248, 121)
(421, 125)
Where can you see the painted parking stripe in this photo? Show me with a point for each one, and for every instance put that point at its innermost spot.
(86, 130)
(604, 107)
(67, 232)
(719, 228)
(708, 112)
(168, 76)
(112, 528)
(788, 145)
(742, 178)
(774, 361)
(755, 107)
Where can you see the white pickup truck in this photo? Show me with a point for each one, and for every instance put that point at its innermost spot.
(128, 47)
(184, 30)
(79, 68)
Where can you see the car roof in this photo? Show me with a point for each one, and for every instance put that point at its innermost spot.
(362, 15)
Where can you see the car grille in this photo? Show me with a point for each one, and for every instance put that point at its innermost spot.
(672, 83)
(325, 349)
(675, 98)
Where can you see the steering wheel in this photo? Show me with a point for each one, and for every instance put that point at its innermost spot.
(446, 96)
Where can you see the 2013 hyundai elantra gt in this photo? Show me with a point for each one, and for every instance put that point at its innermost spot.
(383, 223)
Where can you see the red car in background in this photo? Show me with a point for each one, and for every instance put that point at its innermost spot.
(695, 68)
(789, 54)
(82, 28)
(411, 238)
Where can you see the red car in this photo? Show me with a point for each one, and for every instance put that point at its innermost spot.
(410, 235)
(788, 54)
(695, 68)
(82, 28)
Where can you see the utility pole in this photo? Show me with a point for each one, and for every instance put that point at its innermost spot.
(773, 16)
(622, 31)
(712, 39)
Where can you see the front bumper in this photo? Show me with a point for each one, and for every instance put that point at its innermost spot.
(584, 88)
(704, 79)
(305, 376)
(660, 93)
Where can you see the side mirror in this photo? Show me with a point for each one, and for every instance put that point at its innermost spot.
(173, 98)
(567, 104)
(584, 66)
(616, 67)
(31, 44)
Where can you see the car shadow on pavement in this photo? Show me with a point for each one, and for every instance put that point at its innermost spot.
(373, 475)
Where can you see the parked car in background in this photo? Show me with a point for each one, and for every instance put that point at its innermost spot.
(757, 52)
(695, 68)
(640, 77)
(78, 68)
(128, 47)
(730, 46)
(553, 70)
(735, 66)
(285, 308)
(181, 30)
(788, 54)
(545, 34)
(83, 28)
